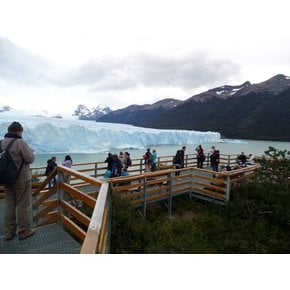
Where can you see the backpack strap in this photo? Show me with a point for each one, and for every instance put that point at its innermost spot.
(7, 149)
(9, 145)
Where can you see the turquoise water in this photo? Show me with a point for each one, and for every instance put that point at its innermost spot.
(226, 147)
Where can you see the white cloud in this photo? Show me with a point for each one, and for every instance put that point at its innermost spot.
(119, 52)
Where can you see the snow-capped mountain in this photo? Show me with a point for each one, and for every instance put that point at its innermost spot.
(84, 113)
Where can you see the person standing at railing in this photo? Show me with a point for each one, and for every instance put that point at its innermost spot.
(18, 194)
(51, 164)
(200, 156)
(67, 162)
(109, 160)
(214, 158)
(116, 167)
(127, 160)
(154, 160)
(178, 160)
(148, 160)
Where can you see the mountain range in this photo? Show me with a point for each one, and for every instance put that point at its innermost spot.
(247, 111)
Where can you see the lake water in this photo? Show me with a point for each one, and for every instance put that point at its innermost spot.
(227, 146)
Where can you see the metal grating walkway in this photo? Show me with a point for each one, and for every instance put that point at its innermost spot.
(50, 239)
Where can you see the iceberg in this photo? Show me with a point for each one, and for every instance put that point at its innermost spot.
(52, 135)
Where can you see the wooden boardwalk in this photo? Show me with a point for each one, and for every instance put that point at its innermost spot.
(50, 239)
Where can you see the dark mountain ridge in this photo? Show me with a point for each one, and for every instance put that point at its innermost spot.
(248, 111)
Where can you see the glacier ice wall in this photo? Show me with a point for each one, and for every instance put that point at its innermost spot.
(49, 135)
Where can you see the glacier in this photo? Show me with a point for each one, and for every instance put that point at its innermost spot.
(52, 135)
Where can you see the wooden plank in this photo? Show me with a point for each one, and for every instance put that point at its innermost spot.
(211, 179)
(208, 192)
(132, 195)
(91, 241)
(44, 197)
(212, 186)
(127, 187)
(104, 231)
(77, 194)
(181, 190)
(157, 190)
(50, 218)
(84, 177)
(51, 205)
(79, 232)
(181, 183)
(75, 213)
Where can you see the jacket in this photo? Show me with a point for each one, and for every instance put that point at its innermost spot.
(20, 151)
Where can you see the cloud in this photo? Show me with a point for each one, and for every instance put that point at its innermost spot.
(19, 66)
(151, 70)
(138, 77)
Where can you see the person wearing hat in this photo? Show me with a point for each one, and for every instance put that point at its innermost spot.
(18, 195)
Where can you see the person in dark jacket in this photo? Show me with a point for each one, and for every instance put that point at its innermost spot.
(51, 164)
(116, 166)
(109, 160)
(18, 194)
(179, 160)
(200, 156)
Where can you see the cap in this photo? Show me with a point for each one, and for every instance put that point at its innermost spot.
(15, 127)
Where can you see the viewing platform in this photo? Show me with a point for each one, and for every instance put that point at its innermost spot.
(76, 217)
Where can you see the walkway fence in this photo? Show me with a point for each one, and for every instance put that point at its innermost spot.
(83, 206)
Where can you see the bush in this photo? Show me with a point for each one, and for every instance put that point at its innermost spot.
(257, 220)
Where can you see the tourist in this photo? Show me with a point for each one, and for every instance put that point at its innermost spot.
(154, 160)
(127, 160)
(200, 156)
(250, 160)
(109, 160)
(148, 160)
(67, 162)
(18, 194)
(121, 157)
(116, 166)
(214, 158)
(179, 160)
(51, 164)
(241, 159)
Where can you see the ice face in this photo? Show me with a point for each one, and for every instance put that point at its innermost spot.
(51, 135)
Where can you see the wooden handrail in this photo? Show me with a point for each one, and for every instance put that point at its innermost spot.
(92, 239)
(144, 188)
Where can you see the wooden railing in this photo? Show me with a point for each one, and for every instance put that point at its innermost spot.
(83, 210)
(143, 189)
(83, 206)
(97, 169)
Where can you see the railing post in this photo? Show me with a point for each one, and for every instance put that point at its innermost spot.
(60, 194)
(141, 166)
(192, 182)
(145, 195)
(96, 169)
(228, 188)
(169, 176)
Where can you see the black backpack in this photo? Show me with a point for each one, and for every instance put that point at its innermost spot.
(8, 170)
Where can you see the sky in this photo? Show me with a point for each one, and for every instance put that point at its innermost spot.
(57, 54)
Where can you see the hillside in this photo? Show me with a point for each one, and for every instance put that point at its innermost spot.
(249, 111)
